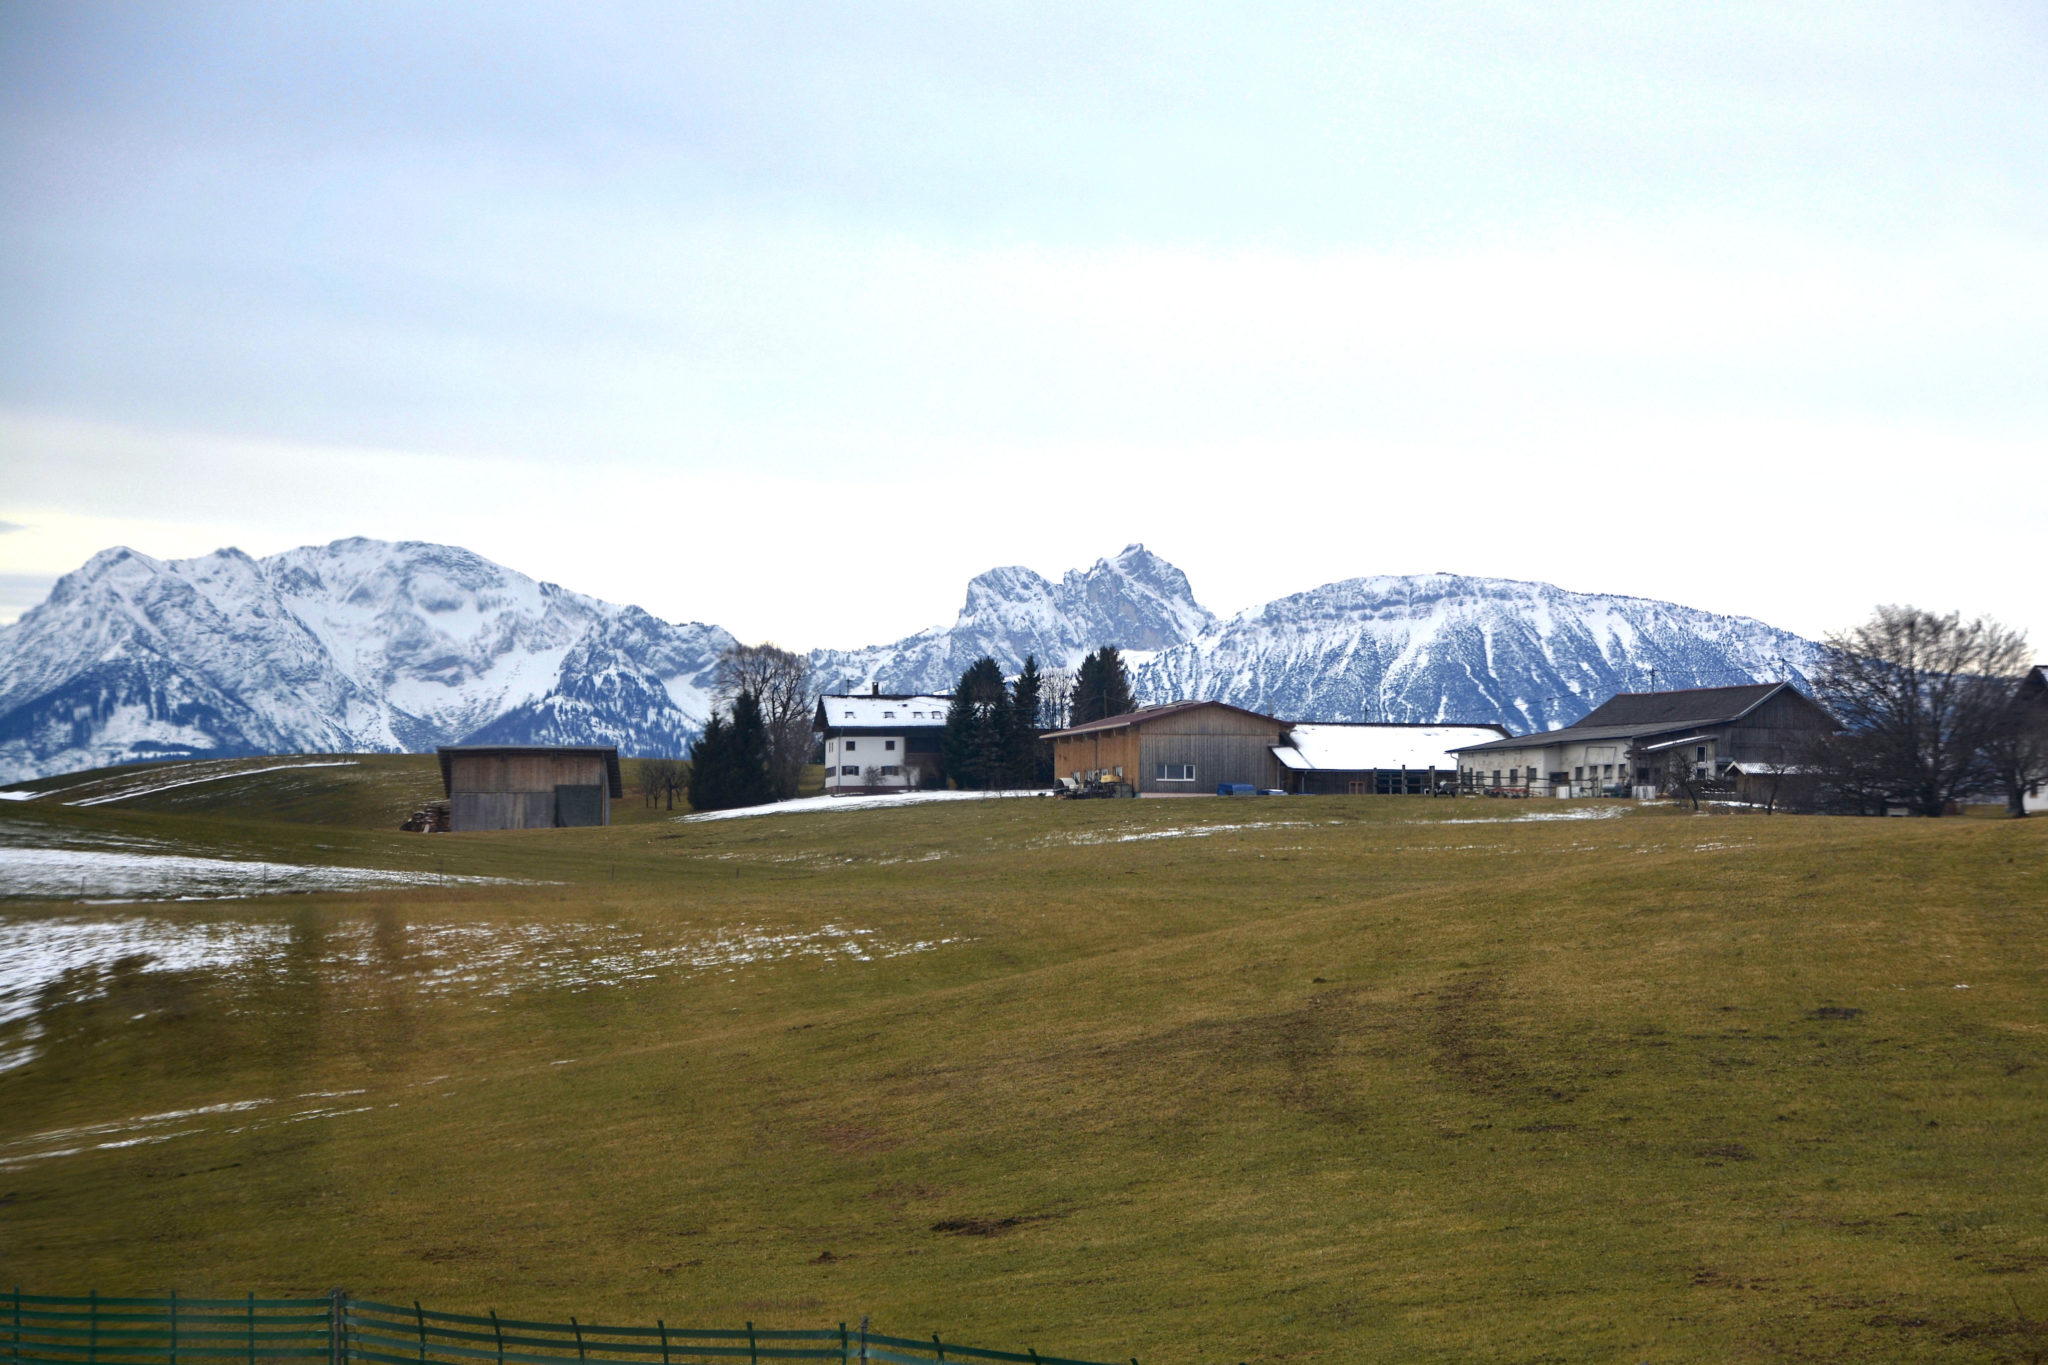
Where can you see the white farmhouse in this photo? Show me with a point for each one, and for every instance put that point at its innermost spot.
(880, 741)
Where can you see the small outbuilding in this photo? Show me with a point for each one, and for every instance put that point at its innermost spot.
(529, 786)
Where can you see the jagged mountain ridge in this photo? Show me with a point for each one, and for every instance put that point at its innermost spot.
(371, 645)
(1135, 600)
(1441, 647)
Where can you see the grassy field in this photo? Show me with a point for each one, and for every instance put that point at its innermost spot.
(1309, 1079)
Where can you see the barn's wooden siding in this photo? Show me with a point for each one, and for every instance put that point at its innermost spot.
(518, 790)
(1105, 750)
(1225, 745)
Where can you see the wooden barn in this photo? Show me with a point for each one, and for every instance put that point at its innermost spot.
(1183, 747)
(523, 786)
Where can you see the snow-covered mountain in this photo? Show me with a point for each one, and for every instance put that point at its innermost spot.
(1136, 601)
(1439, 647)
(356, 646)
(370, 645)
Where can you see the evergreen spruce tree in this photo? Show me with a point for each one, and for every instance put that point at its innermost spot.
(729, 761)
(1027, 767)
(977, 741)
(711, 766)
(752, 784)
(1102, 687)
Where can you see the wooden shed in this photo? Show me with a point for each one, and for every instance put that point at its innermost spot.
(1182, 747)
(523, 786)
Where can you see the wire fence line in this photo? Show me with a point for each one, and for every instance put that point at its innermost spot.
(338, 1328)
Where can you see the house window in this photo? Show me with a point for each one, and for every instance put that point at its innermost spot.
(888, 744)
(1578, 774)
(850, 770)
(1496, 777)
(1702, 754)
(891, 770)
(888, 715)
(1607, 770)
(849, 715)
(1176, 772)
(1514, 776)
(849, 746)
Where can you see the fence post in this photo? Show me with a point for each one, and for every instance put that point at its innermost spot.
(577, 1328)
(337, 1326)
(252, 1327)
(842, 1344)
(498, 1332)
(662, 1328)
(17, 1324)
(863, 1339)
(937, 1349)
(753, 1349)
(174, 1327)
(92, 1329)
(419, 1320)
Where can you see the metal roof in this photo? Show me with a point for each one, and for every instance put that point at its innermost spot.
(1631, 715)
(1145, 715)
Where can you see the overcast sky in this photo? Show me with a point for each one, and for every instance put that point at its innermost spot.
(793, 317)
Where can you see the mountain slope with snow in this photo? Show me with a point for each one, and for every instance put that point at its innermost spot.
(370, 645)
(1135, 600)
(1440, 647)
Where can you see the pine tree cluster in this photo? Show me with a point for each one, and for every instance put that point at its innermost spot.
(991, 739)
(729, 761)
(1102, 687)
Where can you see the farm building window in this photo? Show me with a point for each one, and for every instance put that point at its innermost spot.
(888, 715)
(849, 770)
(891, 770)
(1578, 774)
(849, 745)
(888, 744)
(1176, 772)
(849, 715)
(1702, 754)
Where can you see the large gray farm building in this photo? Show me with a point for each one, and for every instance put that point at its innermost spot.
(523, 786)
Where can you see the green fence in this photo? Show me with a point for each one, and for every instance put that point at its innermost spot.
(44, 1329)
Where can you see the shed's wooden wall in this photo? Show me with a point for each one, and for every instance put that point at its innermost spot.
(517, 791)
(1107, 750)
(1224, 745)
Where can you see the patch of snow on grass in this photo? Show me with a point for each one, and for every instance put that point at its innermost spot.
(36, 953)
(1579, 813)
(210, 777)
(55, 873)
(805, 805)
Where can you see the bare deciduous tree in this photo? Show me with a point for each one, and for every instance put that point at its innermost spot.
(1055, 698)
(788, 695)
(663, 779)
(1922, 700)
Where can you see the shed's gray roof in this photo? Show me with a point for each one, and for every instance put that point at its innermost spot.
(1145, 715)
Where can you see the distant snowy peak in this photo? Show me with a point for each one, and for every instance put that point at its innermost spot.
(1135, 600)
(448, 638)
(1443, 647)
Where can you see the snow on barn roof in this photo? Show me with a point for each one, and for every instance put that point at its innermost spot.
(866, 711)
(1359, 748)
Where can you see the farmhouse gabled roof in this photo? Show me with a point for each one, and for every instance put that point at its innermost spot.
(1631, 715)
(1145, 715)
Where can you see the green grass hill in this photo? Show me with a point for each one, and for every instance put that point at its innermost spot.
(1314, 1079)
